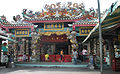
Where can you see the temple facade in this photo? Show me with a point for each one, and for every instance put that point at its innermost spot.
(57, 27)
(61, 27)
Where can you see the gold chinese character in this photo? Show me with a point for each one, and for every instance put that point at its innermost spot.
(82, 31)
(55, 25)
(52, 26)
(20, 32)
(88, 31)
(48, 26)
(25, 32)
(59, 25)
(85, 31)
(17, 32)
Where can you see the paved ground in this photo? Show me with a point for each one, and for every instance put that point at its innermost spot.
(40, 70)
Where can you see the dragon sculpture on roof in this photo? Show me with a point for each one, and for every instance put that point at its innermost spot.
(59, 10)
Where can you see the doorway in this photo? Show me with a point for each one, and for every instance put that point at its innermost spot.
(61, 46)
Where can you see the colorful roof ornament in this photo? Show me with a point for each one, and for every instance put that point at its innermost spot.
(3, 20)
(58, 11)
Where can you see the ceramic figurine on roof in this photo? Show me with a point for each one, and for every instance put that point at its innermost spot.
(17, 18)
(28, 13)
(3, 20)
(59, 10)
(92, 11)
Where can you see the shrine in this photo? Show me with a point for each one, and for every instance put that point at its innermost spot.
(57, 27)
(61, 27)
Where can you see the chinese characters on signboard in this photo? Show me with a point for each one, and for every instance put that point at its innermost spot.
(22, 32)
(55, 26)
(85, 30)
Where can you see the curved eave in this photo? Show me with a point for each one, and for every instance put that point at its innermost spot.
(4, 27)
(10, 27)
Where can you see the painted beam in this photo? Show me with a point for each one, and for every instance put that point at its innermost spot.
(76, 25)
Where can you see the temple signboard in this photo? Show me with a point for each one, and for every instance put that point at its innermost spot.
(22, 33)
(54, 26)
(85, 30)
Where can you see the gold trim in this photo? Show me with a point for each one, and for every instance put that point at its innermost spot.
(22, 35)
(58, 33)
(54, 29)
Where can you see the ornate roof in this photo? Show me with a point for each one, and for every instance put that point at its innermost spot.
(17, 22)
(69, 11)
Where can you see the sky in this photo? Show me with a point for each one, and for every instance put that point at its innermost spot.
(10, 8)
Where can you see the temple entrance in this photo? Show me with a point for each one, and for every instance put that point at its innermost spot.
(52, 45)
(55, 48)
(62, 46)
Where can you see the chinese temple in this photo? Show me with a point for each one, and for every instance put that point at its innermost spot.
(61, 26)
(57, 27)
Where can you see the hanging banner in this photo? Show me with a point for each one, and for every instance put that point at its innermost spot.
(53, 26)
(85, 30)
(22, 33)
